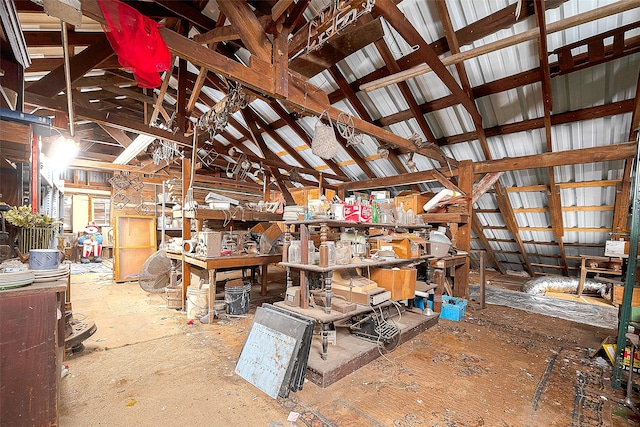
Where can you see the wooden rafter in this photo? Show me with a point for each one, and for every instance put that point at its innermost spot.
(396, 18)
(602, 12)
(553, 194)
(392, 66)
(477, 228)
(623, 190)
(620, 151)
(247, 24)
(187, 11)
(588, 113)
(251, 119)
(54, 82)
(127, 123)
(362, 112)
(504, 203)
(117, 134)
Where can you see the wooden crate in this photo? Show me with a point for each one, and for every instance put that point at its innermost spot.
(302, 195)
(618, 293)
(400, 281)
(412, 201)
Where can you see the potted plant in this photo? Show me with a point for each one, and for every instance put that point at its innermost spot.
(36, 229)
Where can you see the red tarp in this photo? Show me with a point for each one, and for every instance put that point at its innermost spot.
(137, 42)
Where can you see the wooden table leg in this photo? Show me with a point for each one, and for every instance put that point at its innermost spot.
(263, 279)
(438, 278)
(325, 340)
(483, 281)
(327, 288)
(212, 293)
(583, 276)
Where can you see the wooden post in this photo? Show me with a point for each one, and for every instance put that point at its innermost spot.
(483, 283)
(438, 277)
(463, 236)
(186, 227)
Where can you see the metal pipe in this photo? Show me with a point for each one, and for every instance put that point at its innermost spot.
(67, 76)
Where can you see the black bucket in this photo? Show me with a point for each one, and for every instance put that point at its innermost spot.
(237, 299)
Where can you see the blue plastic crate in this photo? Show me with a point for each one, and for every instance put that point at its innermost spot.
(422, 303)
(453, 308)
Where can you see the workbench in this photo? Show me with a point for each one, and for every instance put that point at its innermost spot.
(455, 267)
(226, 262)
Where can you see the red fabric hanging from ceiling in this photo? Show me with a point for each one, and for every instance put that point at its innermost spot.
(137, 42)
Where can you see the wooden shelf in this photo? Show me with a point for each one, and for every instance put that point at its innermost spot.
(352, 224)
(362, 264)
(239, 215)
(461, 218)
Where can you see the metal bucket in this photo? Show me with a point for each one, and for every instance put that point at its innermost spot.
(237, 299)
(45, 259)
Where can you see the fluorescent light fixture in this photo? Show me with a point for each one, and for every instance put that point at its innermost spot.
(140, 143)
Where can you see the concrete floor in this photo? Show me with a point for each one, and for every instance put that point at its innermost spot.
(147, 366)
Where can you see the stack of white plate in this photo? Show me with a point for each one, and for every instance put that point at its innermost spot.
(291, 212)
(16, 279)
(49, 275)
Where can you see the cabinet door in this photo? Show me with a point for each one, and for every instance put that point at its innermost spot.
(135, 241)
(30, 358)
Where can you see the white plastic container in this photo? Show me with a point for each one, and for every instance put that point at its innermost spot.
(197, 302)
(440, 243)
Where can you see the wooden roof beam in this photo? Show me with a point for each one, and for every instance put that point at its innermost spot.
(553, 193)
(247, 24)
(260, 77)
(396, 18)
(620, 151)
(532, 34)
(477, 228)
(54, 82)
(116, 120)
(187, 11)
(362, 112)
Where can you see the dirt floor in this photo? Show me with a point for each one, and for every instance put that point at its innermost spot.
(500, 366)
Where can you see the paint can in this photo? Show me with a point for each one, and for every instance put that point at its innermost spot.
(237, 299)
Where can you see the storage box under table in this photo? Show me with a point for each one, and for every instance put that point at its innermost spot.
(453, 308)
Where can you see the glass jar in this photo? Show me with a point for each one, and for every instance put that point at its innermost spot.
(343, 253)
(332, 252)
(294, 252)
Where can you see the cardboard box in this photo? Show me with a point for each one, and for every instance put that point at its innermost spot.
(373, 296)
(609, 345)
(292, 297)
(414, 201)
(358, 213)
(405, 246)
(380, 195)
(302, 195)
(616, 247)
(401, 281)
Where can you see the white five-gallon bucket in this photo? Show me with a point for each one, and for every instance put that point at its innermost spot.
(197, 302)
